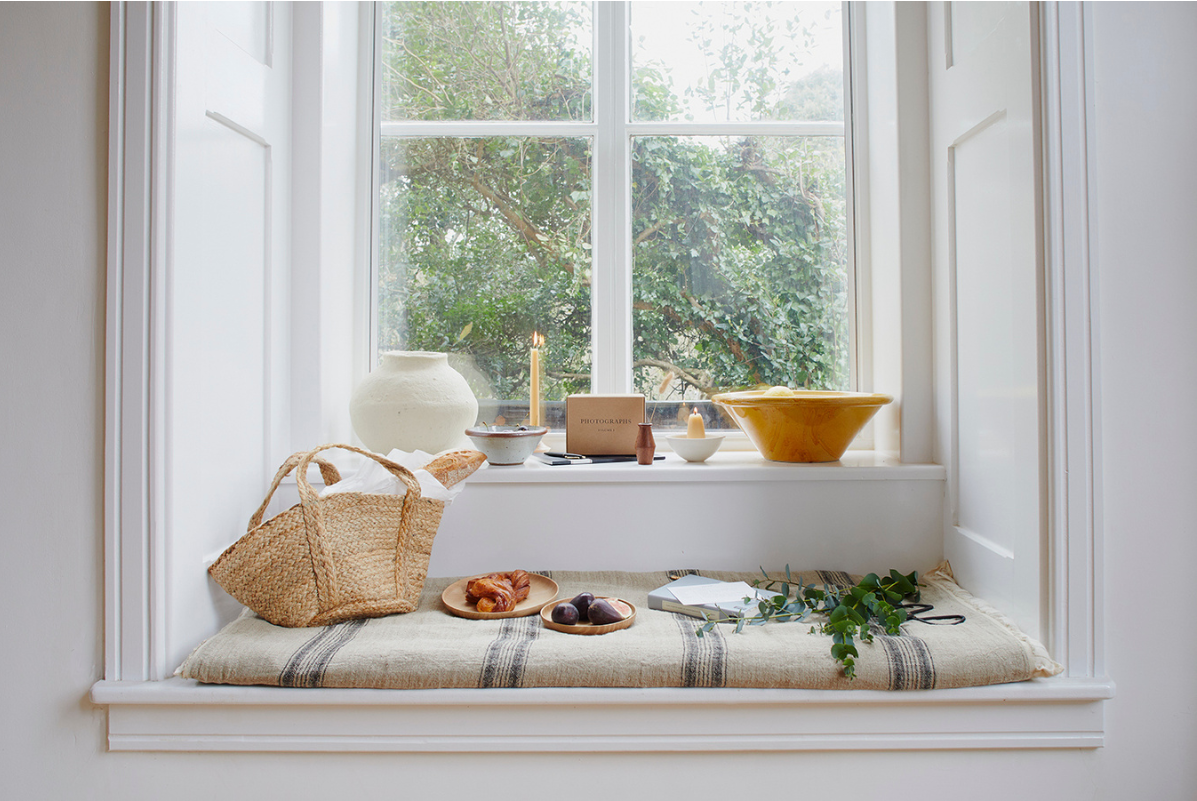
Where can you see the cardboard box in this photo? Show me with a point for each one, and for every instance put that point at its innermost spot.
(603, 425)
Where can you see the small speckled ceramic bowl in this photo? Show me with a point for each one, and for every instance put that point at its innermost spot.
(801, 425)
(507, 445)
(698, 449)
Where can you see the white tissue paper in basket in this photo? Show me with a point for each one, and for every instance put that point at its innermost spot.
(370, 476)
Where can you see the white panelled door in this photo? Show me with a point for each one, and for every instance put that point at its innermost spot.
(988, 263)
(226, 293)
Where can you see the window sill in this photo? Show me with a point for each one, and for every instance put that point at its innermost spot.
(723, 467)
(865, 510)
(182, 715)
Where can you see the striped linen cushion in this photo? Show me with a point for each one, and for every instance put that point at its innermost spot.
(431, 648)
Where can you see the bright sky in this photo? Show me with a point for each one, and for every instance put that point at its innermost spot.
(661, 30)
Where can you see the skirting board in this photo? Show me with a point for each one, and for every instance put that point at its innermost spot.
(180, 715)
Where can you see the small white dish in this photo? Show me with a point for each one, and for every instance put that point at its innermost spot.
(507, 445)
(695, 450)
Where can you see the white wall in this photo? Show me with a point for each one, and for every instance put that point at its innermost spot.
(53, 95)
(1147, 206)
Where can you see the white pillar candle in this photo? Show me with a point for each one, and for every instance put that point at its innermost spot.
(534, 399)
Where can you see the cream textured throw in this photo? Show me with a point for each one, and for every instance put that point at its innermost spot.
(431, 648)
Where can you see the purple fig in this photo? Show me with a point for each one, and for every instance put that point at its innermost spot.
(566, 614)
(582, 602)
(602, 612)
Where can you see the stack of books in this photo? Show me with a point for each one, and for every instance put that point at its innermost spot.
(702, 597)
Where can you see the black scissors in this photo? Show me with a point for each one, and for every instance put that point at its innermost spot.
(919, 612)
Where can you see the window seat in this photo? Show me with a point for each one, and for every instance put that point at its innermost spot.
(182, 714)
(433, 649)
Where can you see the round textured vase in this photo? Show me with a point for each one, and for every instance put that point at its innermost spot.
(413, 401)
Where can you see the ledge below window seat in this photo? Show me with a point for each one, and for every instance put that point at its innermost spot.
(430, 648)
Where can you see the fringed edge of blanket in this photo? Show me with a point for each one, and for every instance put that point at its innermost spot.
(1043, 666)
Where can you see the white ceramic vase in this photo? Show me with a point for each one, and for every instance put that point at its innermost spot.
(413, 401)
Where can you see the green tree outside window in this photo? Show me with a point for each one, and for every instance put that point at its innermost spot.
(738, 242)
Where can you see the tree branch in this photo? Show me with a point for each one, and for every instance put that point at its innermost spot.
(705, 326)
(535, 240)
(681, 372)
(652, 229)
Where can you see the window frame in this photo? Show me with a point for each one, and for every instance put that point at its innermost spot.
(149, 711)
(612, 130)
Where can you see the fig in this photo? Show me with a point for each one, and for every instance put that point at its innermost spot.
(582, 603)
(623, 609)
(566, 614)
(602, 612)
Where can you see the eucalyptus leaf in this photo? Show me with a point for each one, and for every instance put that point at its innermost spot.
(849, 610)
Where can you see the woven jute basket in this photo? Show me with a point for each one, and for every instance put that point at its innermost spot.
(348, 555)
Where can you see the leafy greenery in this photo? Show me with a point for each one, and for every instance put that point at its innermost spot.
(487, 61)
(739, 242)
(849, 610)
(735, 280)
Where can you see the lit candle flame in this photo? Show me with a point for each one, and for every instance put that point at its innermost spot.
(537, 339)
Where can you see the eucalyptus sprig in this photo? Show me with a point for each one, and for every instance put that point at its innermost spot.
(848, 609)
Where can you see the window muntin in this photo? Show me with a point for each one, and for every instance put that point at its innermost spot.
(720, 289)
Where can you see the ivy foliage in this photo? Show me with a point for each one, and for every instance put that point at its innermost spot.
(848, 612)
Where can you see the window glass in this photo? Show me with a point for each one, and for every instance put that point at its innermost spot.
(486, 61)
(734, 62)
(735, 250)
(484, 243)
(485, 240)
(740, 264)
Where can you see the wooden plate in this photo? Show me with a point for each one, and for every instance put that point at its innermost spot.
(546, 617)
(541, 591)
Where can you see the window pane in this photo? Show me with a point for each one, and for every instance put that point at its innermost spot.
(486, 61)
(739, 264)
(485, 241)
(734, 62)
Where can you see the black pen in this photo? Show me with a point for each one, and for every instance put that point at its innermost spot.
(562, 458)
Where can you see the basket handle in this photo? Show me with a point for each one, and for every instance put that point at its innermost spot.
(307, 494)
(323, 564)
(327, 471)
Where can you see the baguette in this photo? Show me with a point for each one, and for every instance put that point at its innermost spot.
(455, 466)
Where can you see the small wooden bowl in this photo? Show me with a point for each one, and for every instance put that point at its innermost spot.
(546, 617)
(542, 591)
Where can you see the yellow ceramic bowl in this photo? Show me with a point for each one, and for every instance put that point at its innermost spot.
(805, 426)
